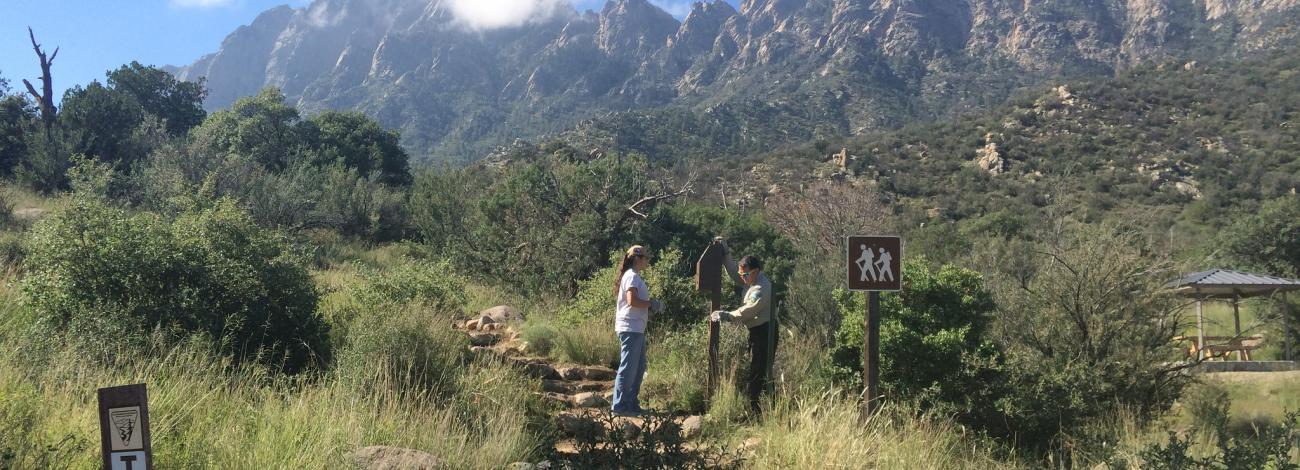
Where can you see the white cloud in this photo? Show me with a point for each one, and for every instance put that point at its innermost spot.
(677, 8)
(202, 3)
(491, 14)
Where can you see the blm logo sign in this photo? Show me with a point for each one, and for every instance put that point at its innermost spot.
(124, 427)
(875, 263)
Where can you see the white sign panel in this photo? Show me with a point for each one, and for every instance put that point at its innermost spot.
(128, 460)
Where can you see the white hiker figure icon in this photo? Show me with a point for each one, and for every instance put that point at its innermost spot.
(884, 269)
(866, 266)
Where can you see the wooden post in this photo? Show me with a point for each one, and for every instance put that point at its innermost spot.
(871, 355)
(773, 330)
(708, 279)
(1200, 327)
(715, 304)
(1236, 321)
(124, 427)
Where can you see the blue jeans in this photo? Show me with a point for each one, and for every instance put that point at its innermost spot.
(631, 369)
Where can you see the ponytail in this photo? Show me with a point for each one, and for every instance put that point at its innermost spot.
(628, 262)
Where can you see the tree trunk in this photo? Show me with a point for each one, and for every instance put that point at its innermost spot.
(46, 99)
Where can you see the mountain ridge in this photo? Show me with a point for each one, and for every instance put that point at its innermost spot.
(855, 66)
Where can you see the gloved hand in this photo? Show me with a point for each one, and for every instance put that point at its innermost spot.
(656, 306)
(720, 315)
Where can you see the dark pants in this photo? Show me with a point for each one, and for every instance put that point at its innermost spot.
(760, 361)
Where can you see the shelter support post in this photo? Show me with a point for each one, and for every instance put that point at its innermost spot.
(1200, 326)
(1236, 320)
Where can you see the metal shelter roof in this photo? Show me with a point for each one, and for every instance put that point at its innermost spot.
(1222, 283)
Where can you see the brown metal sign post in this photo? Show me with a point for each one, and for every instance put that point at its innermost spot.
(124, 427)
(708, 279)
(875, 264)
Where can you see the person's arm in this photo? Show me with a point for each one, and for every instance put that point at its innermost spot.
(634, 300)
(728, 264)
(755, 302)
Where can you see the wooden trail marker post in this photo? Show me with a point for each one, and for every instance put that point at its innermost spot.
(875, 264)
(124, 428)
(708, 279)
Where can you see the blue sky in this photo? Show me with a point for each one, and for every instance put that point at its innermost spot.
(97, 35)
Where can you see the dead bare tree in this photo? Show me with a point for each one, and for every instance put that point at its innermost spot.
(664, 194)
(821, 215)
(818, 218)
(44, 99)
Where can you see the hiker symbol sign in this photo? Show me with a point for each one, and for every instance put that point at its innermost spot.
(875, 263)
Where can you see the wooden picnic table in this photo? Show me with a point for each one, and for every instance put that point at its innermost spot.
(1220, 346)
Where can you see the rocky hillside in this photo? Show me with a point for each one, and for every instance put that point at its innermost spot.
(772, 71)
(1174, 143)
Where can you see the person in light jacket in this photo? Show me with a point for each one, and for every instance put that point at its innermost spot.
(755, 314)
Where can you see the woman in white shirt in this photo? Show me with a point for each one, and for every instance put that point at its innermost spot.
(634, 308)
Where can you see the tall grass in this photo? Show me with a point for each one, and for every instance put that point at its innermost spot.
(677, 365)
(593, 342)
(402, 380)
(825, 432)
(206, 414)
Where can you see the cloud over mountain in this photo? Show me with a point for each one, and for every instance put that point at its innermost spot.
(492, 14)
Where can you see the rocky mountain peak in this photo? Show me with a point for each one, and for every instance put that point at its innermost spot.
(698, 33)
(634, 28)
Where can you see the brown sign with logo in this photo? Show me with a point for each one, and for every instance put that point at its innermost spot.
(124, 427)
(875, 263)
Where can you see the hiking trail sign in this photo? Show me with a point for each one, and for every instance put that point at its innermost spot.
(124, 427)
(875, 264)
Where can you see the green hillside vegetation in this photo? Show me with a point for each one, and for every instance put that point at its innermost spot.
(287, 285)
(1183, 144)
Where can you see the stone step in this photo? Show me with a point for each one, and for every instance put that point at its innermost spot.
(483, 339)
(577, 400)
(589, 373)
(495, 351)
(540, 370)
(588, 400)
(571, 387)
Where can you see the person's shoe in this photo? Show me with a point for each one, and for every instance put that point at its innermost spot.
(629, 413)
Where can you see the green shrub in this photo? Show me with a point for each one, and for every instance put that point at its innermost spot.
(933, 347)
(1266, 447)
(434, 285)
(1087, 328)
(1208, 405)
(682, 303)
(108, 278)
